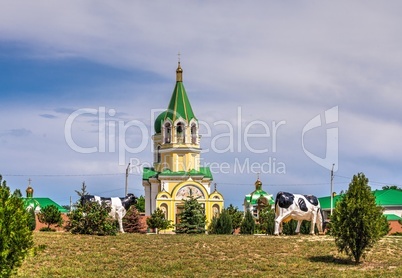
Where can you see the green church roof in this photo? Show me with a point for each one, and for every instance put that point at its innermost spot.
(44, 202)
(179, 105)
(151, 173)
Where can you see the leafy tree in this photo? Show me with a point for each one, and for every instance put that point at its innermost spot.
(386, 187)
(91, 218)
(236, 215)
(50, 215)
(192, 218)
(221, 225)
(132, 221)
(248, 224)
(357, 223)
(266, 220)
(31, 219)
(140, 205)
(15, 234)
(158, 221)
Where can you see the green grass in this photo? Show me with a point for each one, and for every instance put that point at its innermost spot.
(133, 255)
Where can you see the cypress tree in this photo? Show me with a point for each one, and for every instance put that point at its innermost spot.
(357, 222)
(248, 224)
(15, 234)
(221, 225)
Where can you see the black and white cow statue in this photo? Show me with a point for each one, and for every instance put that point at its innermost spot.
(298, 207)
(119, 206)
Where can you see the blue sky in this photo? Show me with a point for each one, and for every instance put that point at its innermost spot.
(246, 67)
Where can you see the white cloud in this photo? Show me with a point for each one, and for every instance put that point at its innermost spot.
(276, 60)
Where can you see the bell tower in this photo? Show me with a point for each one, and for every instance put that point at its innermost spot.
(176, 139)
(176, 172)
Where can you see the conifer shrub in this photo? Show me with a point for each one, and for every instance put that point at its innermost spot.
(15, 233)
(157, 221)
(357, 223)
(32, 219)
(222, 224)
(247, 226)
(91, 218)
(192, 218)
(132, 221)
(50, 215)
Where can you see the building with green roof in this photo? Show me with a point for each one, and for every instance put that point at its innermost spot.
(35, 203)
(257, 200)
(176, 172)
(389, 199)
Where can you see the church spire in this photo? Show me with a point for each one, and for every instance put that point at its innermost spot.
(179, 74)
(179, 71)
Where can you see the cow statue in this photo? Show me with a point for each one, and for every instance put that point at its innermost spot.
(119, 206)
(298, 207)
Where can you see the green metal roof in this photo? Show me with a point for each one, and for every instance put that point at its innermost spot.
(148, 173)
(253, 197)
(151, 173)
(392, 217)
(179, 107)
(44, 202)
(388, 197)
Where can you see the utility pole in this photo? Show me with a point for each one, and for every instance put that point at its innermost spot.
(332, 195)
(128, 167)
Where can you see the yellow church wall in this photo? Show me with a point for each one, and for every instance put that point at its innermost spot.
(167, 199)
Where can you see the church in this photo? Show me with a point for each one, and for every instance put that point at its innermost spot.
(176, 173)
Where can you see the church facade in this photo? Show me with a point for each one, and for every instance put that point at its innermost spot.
(176, 173)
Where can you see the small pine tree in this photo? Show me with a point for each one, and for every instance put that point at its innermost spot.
(248, 224)
(132, 221)
(15, 235)
(221, 225)
(157, 221)
(50, 215)
(32, 219)
(91, 218)
(357, 223)
(266, 220)
(192, 218)
(236, 215)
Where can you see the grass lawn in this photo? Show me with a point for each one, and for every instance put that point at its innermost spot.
(133, 255)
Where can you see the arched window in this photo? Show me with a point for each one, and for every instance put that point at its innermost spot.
(215, 210)
(168, 133)
(164, 208)
(180, 133)
(193, 134)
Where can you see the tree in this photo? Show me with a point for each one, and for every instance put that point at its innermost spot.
(386, 187)
(140, 205)
(91, 218)
(15, 234)
(50, 215)
(248, 224)
(31, 219)
(158, 221)
(236, 215)
(192, 218)
(221, 225)
(132, 221)
(357, 223)
(83, 191)
(266, 220)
